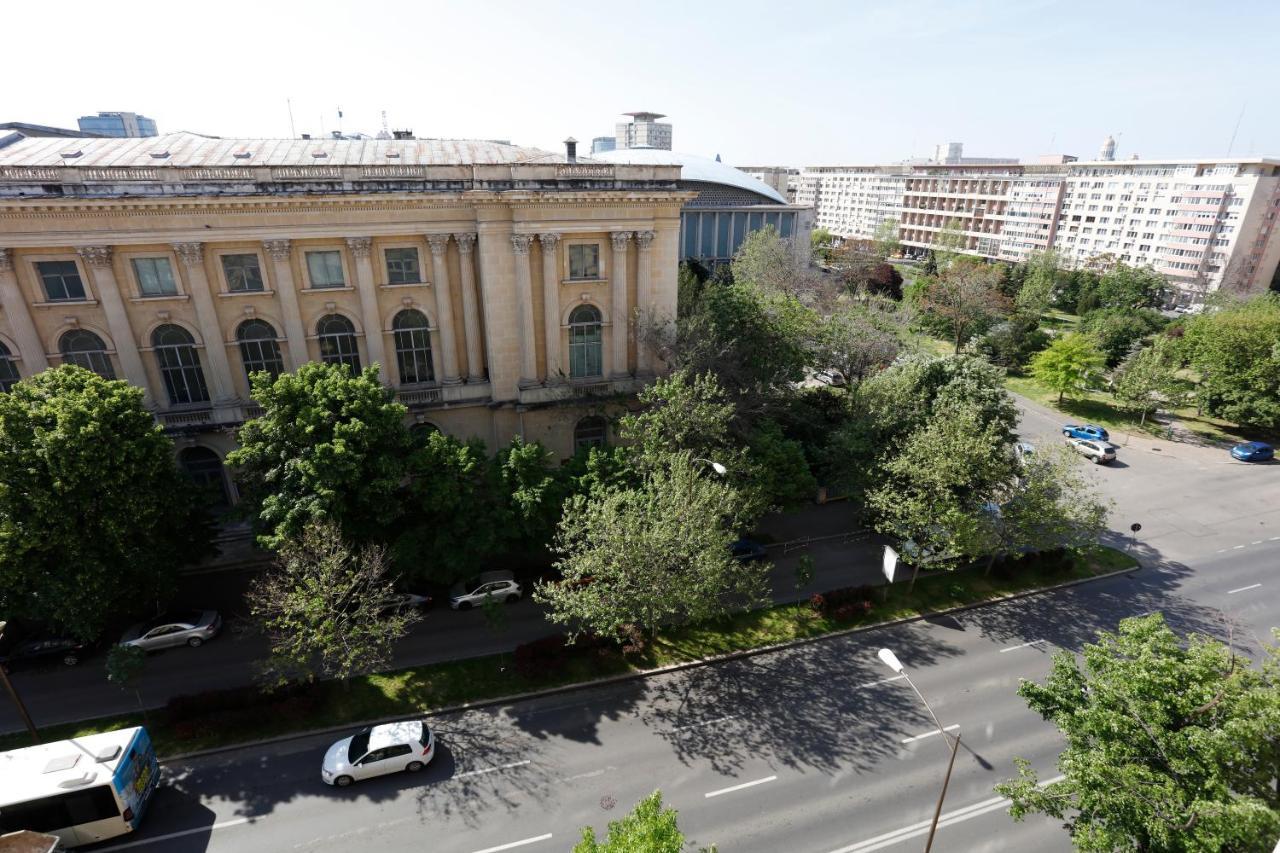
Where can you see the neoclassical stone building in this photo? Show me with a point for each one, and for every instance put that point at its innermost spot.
(497, 286)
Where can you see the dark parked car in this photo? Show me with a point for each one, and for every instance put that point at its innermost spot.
(1253, 451)
(747, 550)
(38, 650)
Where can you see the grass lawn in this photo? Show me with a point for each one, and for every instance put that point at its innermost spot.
(423, 689)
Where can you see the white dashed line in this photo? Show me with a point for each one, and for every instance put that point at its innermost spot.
(490, 769)
(1022, 646)
(1243, 588)
(1259, 542)
(880, 681)
(711, 794)
(522, 842)
(930, 734)
(1236, 547)
(142, 841)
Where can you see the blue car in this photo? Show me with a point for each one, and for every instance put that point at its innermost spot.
(1089, 432)
(1253, 451)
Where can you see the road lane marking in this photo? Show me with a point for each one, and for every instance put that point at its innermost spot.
(1259, 542)
(1236, 547)
(142, 841)
(711, 794)
(931, 734)
(1023, 646)
(1243, 588)
(703, 723)
(591, 775)
(880, 681)
(490, 769)
(916, 830)
(1274, 539)
(522, 842)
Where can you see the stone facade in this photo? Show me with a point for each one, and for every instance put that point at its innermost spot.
(168, 265)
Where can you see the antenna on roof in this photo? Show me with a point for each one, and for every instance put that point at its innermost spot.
(293, 134)
(339, 121)
(1239, 118)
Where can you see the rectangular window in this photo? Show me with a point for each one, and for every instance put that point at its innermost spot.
(584, 261)
(402, 266)
(325, 269)
(155, 277)
(242, 273)
(61, 281)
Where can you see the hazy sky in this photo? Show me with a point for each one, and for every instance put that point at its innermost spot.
(758, 83)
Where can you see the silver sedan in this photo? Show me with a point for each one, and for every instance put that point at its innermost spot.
(186, 628)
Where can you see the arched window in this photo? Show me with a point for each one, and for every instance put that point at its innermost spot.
(590, 432)
(179, 365)
(8, 369)
(258, 348)
(421, 432)
(87, 350)
(338, 341)
(204, 468)
(413, 347)
(586, 343)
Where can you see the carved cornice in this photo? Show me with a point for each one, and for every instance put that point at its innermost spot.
(192, 254)
(466, 242)
(643, 239)
(549, 241)
(278, 249)
(360, 246)
(620, 239)
(96, 256)
(439, 244)
(6, 260)
(520, 243)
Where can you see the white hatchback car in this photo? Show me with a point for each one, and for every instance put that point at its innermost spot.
(388, 748)
(501, 586)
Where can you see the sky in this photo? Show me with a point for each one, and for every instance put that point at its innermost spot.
(759, 83)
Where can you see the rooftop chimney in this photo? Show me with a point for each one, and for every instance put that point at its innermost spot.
(571, 150)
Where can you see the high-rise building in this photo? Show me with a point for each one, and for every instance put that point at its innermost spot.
(118, 124)
(643, 131)
(603, 143)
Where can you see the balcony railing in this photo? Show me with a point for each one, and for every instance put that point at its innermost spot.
(194, 417)
(418, 396)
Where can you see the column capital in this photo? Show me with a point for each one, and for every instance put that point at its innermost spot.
(361, 247)
(549, 241)
(439, 243)
(466, 242)
(643, 239)
(620, 239)
(278, 249)
(520, 243)
(190, 253)
(6, 260)
(96, 256)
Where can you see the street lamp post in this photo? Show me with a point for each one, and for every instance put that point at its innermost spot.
(17, 700)
(891, 660)
(715, 466)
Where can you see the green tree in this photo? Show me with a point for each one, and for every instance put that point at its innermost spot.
(773, 264)
(1036, 294)
(887, 244)
(95, 517)
(778, 469)
(534, 491)
(948, 245)
(1118, 330)
(820, 240)
(1236, 350)
(1147, 379)
(1012, 342)
(858, 340)
(328, 610)
(1123, 286)
(331, 445)
(921, 388)
(1170, 744)
(1069, 364)
(650, 555)
(966, 294)
(124, 667)
(649, 828)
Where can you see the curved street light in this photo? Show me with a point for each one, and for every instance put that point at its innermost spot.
(715, 466)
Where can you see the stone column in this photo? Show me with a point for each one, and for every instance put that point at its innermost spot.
(361, 247)
(444, 307)
(98, 260)
(294, 332)
(470, 310)
(30, 348)
(524, 311)
(618, 313)
(221, 389)
(551, 305)
(644, 302)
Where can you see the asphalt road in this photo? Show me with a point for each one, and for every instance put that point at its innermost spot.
(817, 748)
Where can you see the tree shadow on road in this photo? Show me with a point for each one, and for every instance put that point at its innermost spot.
(825, 706)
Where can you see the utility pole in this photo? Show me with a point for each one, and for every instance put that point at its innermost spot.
(17, 700)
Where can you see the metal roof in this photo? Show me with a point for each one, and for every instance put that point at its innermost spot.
(193, 150)
(693, 168)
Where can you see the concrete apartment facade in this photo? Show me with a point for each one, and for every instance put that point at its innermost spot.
(1203, 224)
(495, 285)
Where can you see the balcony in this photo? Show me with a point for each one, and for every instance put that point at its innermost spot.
(418, 397)
(186, 418)
(580, 389)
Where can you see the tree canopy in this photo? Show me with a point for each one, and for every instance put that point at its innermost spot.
(1236, 350)
(964, 295)
(1170, 744)
(1069, 365)
(95, 517)
(648, 828)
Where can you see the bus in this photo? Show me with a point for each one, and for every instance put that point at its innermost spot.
(82, 790)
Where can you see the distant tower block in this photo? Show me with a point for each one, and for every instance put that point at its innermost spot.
(1108, 151)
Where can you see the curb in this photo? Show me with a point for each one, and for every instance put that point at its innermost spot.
(648, 673)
